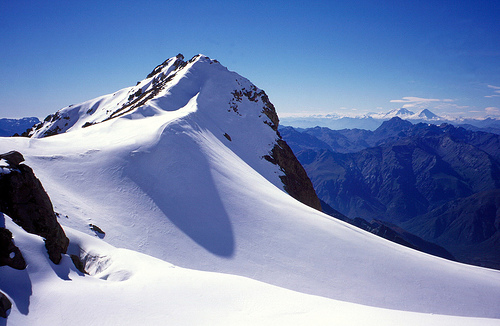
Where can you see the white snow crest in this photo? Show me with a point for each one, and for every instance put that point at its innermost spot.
(195, 228)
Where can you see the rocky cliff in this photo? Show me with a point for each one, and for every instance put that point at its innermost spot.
(23, 198)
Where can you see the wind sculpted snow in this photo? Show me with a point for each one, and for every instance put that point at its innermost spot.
(170, 185)
(193, 205)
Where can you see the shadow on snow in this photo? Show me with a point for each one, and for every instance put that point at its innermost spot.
(176, 175)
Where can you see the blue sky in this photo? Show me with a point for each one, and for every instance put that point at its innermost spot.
(310, 57)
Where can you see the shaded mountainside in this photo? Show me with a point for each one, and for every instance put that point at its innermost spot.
(405, 172)
(354, 140)
(10, 127)
(399, 181)
(391, 232)
(469, 227)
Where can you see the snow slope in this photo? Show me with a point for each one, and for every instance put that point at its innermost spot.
(164, 180)
(129, 288)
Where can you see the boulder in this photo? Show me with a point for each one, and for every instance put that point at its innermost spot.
(10, 255)
(5, 305)
(23, 198)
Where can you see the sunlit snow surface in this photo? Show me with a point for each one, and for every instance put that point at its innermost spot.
(230, 246)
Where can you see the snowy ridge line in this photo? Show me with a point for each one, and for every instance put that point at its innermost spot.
(183, 181)
(119, 103)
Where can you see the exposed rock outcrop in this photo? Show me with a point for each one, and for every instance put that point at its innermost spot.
(23, 198)
(5, 305)
(10, 255)
(297, 183)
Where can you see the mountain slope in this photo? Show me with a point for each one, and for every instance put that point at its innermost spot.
(9, 127)
(402, 171)
(219, 96)
(124, 287)
(410, 172)
(164, 179)
(469, 226)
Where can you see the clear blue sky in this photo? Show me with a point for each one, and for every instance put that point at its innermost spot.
(314, 56)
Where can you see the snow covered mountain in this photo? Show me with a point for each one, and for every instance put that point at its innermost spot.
(372, 121)
(173, 193)
(406, 114)
(231, 105)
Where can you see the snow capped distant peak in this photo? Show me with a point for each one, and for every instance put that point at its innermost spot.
(402, 113)
(426, 114)
(406, 114)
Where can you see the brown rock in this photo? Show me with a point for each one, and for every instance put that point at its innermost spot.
(5, 305)
(13, 157)
(23, 198)
(10, 255)
(297, 183)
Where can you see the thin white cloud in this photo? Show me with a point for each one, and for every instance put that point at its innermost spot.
(411, 99)
(496, 91)
(419, 102)
(492, 110)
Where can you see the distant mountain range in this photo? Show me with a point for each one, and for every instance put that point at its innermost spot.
(10, 127)
(411, 175)
(372, 121)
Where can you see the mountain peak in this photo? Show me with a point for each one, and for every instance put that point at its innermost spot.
(174, 61)
(164, 77)
(395, 124)
(402, 112)
(427, 114)
(198, 93)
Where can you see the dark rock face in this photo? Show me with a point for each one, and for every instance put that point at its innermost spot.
(13, 157)
(23, 198)
(5, 305)
(297, 183)
(10, 255)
